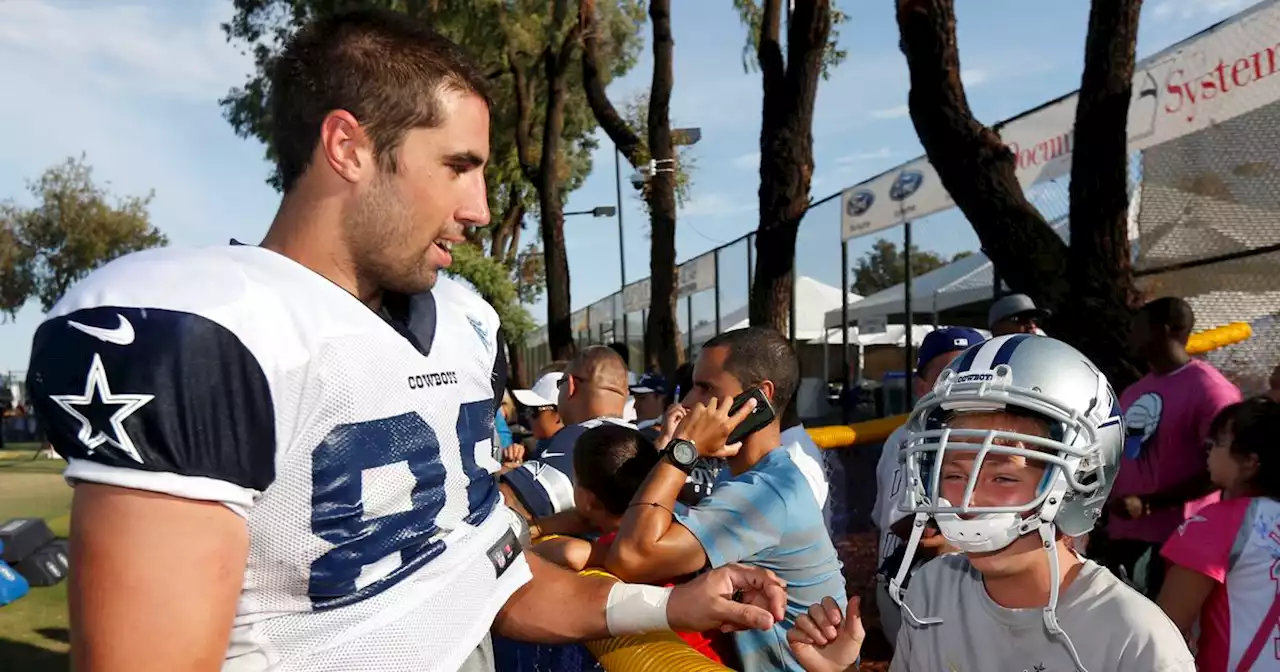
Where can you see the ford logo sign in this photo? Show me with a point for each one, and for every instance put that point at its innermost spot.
(908, 183)
(859, 202)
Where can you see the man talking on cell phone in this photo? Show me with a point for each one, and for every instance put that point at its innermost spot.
(761, 512)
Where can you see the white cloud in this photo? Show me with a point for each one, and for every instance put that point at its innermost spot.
(974, 76)
(136, 48)
(891, 112)
(882, 153)
(1193, 9)
(714, 204)
(748, 161)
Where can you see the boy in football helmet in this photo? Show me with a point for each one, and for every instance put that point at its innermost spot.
(1013, 452)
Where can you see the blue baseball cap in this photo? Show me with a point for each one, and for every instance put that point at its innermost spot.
(650, 383)
(944, 340)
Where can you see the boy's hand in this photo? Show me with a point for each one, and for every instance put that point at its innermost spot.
(825, 640)
(670, 420)
(708, 425)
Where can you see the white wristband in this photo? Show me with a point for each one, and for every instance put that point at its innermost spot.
(636, 608)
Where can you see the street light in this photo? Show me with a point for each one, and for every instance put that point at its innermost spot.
(598, 211)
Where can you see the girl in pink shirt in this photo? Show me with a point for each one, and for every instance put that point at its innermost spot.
(1224, 573)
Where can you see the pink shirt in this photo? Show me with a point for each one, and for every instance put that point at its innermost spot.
(1167, 420)
(1235, 542)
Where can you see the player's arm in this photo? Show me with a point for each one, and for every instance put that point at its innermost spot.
(154, 580)
(559, 606)
(168, 429)
(656, 543)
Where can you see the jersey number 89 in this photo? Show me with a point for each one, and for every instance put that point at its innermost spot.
(390, 547)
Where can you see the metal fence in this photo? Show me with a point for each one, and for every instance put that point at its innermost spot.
(1205, 210)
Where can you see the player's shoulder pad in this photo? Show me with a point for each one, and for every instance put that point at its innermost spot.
(122, 375)
(457, 298)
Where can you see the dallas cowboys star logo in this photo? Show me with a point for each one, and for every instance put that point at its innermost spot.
(97, 393)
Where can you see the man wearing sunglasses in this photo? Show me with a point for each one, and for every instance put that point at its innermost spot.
(1015, 314)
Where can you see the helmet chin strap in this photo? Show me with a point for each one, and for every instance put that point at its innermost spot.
(895, 584)
(1049, 537)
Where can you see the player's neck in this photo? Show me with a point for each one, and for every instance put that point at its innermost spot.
(308, 230)
(1030, 589)
(754, 448)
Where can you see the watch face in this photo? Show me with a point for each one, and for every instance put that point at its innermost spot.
(684, 452)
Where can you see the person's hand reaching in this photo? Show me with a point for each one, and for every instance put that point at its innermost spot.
(825, 640)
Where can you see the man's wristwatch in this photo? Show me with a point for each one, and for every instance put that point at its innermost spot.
(682, 453)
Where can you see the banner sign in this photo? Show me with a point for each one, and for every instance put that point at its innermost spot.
(602, 310)
(1217, 75)
(696, 275)
(635, 296)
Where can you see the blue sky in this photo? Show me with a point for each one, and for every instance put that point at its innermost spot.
(140, 100)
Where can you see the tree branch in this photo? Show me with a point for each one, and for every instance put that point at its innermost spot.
(625, 138)
(975, 166)
(524, 117)
(769, 47)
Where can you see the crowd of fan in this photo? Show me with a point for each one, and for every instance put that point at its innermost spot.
(584, 467)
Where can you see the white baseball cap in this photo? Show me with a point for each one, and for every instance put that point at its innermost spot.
(545, 392)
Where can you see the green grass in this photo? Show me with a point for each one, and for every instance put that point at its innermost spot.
(33, 630)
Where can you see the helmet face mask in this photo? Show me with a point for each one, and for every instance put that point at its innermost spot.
(1079, 446)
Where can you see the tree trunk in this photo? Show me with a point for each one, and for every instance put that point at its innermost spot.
(1100, 270)
(978, 170)
(517, 370)
(544, 173)
(974, 165)
(660, 350)
(506, 229)
(786, 149)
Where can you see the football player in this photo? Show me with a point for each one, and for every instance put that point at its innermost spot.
(1013, 452)
(271, 471)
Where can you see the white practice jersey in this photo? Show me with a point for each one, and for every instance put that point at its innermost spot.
(359, 455)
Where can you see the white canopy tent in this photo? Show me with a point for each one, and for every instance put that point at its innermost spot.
(813, 301)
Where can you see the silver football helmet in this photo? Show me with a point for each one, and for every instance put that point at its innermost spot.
(1024, 375)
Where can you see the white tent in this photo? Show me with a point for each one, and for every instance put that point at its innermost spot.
(813, 300)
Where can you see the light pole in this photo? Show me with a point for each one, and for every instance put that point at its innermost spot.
(598, 211)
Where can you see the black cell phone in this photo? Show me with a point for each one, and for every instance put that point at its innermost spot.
(761, 416)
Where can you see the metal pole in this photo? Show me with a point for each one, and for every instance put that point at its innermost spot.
(844, 324)
(791, 318)
(909, 360)
(751, 263)
(688, 320)
(622, 257)
(717, 280)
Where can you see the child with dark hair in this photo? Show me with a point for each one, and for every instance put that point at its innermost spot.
(1223, 560)
(609, 464)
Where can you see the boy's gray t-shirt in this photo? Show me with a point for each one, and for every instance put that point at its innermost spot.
(1113, 627)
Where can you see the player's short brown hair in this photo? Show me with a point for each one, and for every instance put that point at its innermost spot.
(386, 68)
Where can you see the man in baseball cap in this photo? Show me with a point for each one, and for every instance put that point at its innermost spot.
(936, 351)
(1015, 314)
(650, 393)
(538, 408)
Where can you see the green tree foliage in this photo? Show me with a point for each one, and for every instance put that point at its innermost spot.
(74, 227)
(884, 266)
(752, 13)
(504, 37)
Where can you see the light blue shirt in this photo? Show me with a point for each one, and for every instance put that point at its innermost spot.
(768, 517)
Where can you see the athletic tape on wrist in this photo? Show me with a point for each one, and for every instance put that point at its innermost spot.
(635, 608)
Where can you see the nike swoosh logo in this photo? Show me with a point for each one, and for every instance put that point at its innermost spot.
(546, 455)
(121, 335)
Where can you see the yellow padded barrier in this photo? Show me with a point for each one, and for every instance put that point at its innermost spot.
(652, 652)
(1218, 337)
